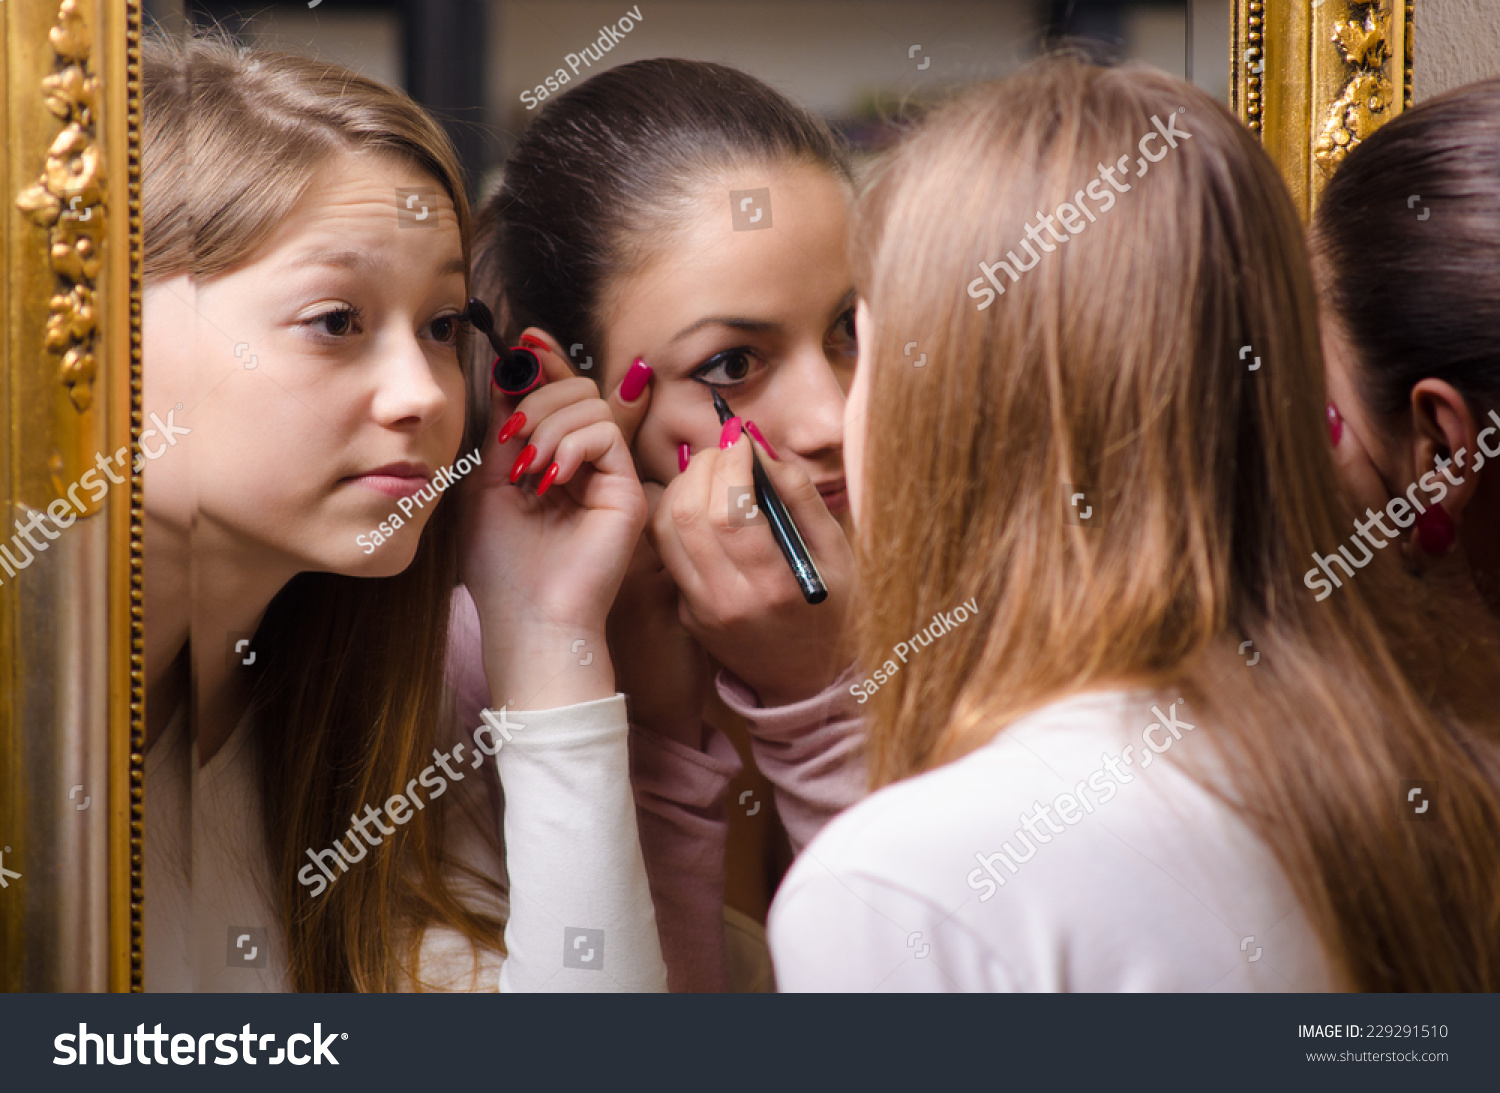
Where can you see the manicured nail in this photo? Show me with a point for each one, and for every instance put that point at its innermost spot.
(512, 426)
(684, 453)
(528, 453)
(547, 479)
(1335, 424)
(531, 342)
(635, 381)
(730, 434)
(762, 441)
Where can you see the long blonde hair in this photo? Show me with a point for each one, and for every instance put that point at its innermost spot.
(1115, 365)
(352, 692)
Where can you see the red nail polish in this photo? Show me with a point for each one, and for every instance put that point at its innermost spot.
(730, 434)
(635, 381)
(684, 453)
(762, 441)
(512, 426)
(528, 453)
(547, 479)
(533, 343)
(1335, 424)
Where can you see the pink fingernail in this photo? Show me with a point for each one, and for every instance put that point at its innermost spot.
(1335, 424)
(635, 381)
(684, 453)
(730, 434)
(762, 441)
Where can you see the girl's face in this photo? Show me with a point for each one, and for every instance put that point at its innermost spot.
(763, 315)
(321, 381)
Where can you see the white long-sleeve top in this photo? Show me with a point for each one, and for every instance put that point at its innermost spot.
(580, 916)
(1035, 864)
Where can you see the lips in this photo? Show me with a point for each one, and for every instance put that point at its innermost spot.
(394, 479)
(835, 495)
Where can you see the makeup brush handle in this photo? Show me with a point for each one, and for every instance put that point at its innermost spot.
(787, 537)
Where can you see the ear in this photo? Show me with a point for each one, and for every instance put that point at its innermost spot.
(1443, 428)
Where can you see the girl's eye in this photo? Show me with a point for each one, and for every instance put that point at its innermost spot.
(841, 339)
(338, 323)
(726, 369)
(445, 328)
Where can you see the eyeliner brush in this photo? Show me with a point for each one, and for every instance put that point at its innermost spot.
(783, 530)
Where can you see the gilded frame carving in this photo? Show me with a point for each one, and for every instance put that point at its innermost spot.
(71, 629)
(1315, 77)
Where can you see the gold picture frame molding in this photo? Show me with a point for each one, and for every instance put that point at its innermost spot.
(71, 618)
(1315, 77)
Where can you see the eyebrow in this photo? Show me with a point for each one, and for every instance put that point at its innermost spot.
(360, 260)
(753, 326)
(750, 326)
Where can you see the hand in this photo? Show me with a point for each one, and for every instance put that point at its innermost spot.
(661, 666)
(737, 594)
(544, 559)
(666, 673)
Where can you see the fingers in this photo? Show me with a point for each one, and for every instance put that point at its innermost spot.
(678, 527)
(599, 444)
(698, 531)
(561, 387)
(795, 488)
(541, 403)
(555, 366)
(799, 493)
(628, 401)
(654, 492)
(562, 442)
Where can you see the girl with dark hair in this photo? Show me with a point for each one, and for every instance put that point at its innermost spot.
(666, 228)
(1407, 246)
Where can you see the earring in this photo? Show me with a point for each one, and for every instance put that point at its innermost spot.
(1435, 531)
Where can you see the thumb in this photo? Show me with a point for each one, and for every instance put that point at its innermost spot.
(628, 402)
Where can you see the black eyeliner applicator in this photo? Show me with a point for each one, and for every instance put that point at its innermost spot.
(517, 369)
(787, 537)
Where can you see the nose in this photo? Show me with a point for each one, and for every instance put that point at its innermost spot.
(812, 423)
(408, 393)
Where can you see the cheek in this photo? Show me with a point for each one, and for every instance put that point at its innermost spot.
(680, 413)
(264, 450)
(456, 387)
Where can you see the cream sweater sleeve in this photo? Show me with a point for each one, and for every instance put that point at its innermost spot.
(581, 917)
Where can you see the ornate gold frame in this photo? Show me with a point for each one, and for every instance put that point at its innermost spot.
(1312, 77)
(1315, 77)
(71, 638)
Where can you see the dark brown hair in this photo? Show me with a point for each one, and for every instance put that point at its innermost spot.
(1409, 232)
(351, 693)
(1117, 363)
(601, 178)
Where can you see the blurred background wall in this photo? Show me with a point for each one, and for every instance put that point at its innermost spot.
(1456, 42)
(859, 63)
